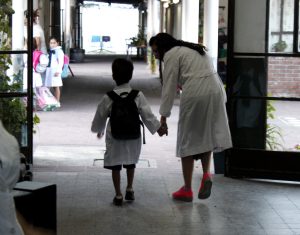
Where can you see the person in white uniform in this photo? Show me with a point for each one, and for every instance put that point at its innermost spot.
(203, 124)
(37, 32)
(123, 152)
(9, 175)
(54, 69)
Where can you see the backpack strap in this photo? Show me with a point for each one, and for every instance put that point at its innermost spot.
(132, 95)
(113, 95)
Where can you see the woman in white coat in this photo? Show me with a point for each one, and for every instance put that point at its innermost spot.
(203, 124)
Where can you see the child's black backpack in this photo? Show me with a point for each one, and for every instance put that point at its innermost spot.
(124, 117)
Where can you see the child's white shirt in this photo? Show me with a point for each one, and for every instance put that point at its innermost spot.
(56, 66)
(122, 151)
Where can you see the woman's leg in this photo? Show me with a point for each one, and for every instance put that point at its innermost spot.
(187, 170)
(116, 177)
(205, 161)
(206, 183)
(185, 193)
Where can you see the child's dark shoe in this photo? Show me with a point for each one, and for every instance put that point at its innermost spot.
(129, 196)
(118, 200)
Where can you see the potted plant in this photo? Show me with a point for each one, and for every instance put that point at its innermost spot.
(140, 39)
(12, 109)
(273, 135)
(279, 46)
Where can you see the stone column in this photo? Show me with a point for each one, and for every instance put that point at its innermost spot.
(190, 20)
(153, 18)
(18, 25)
(210, 30)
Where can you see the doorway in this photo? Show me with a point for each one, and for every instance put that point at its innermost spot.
(263, 91)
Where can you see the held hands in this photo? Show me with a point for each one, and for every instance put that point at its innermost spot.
(163, 130)
(100, 135)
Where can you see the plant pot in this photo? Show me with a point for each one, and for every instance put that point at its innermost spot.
(77, 55)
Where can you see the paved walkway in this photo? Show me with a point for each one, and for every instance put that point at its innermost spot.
(64, 154)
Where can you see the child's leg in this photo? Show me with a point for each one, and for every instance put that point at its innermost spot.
(130, 176)
(129, 196)
(116, 177)
(57, 93)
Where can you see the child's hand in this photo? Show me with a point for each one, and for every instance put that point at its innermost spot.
(100, 135)
(56, 74)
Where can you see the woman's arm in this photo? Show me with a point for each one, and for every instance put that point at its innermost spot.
(148, 118)
(170, 81)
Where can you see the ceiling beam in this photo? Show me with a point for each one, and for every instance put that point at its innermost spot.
(134, 2)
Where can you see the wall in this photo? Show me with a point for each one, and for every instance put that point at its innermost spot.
(284, 76)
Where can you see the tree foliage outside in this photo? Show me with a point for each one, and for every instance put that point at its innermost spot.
(12, 109)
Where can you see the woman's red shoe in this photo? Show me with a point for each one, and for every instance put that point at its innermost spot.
(205, 189)
(183, 194)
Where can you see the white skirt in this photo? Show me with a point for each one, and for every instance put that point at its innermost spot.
(203, 123)
(51, 80)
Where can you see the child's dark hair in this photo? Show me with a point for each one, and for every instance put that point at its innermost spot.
(122, 70)
(54, 38)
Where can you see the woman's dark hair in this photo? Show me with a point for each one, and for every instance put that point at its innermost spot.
(122, 70)
(35, 14)
(165, 42)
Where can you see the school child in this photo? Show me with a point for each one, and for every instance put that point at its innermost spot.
(122, 152)
(53, 73)
(36, 77)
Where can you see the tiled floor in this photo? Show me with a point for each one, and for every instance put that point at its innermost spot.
(64, 153)
(235, 207)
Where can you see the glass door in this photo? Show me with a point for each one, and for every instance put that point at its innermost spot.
(15, 74)
(263, 87)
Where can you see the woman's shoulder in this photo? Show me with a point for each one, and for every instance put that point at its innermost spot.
(172, 54)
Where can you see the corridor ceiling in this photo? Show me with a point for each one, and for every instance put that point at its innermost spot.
(134, 2)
